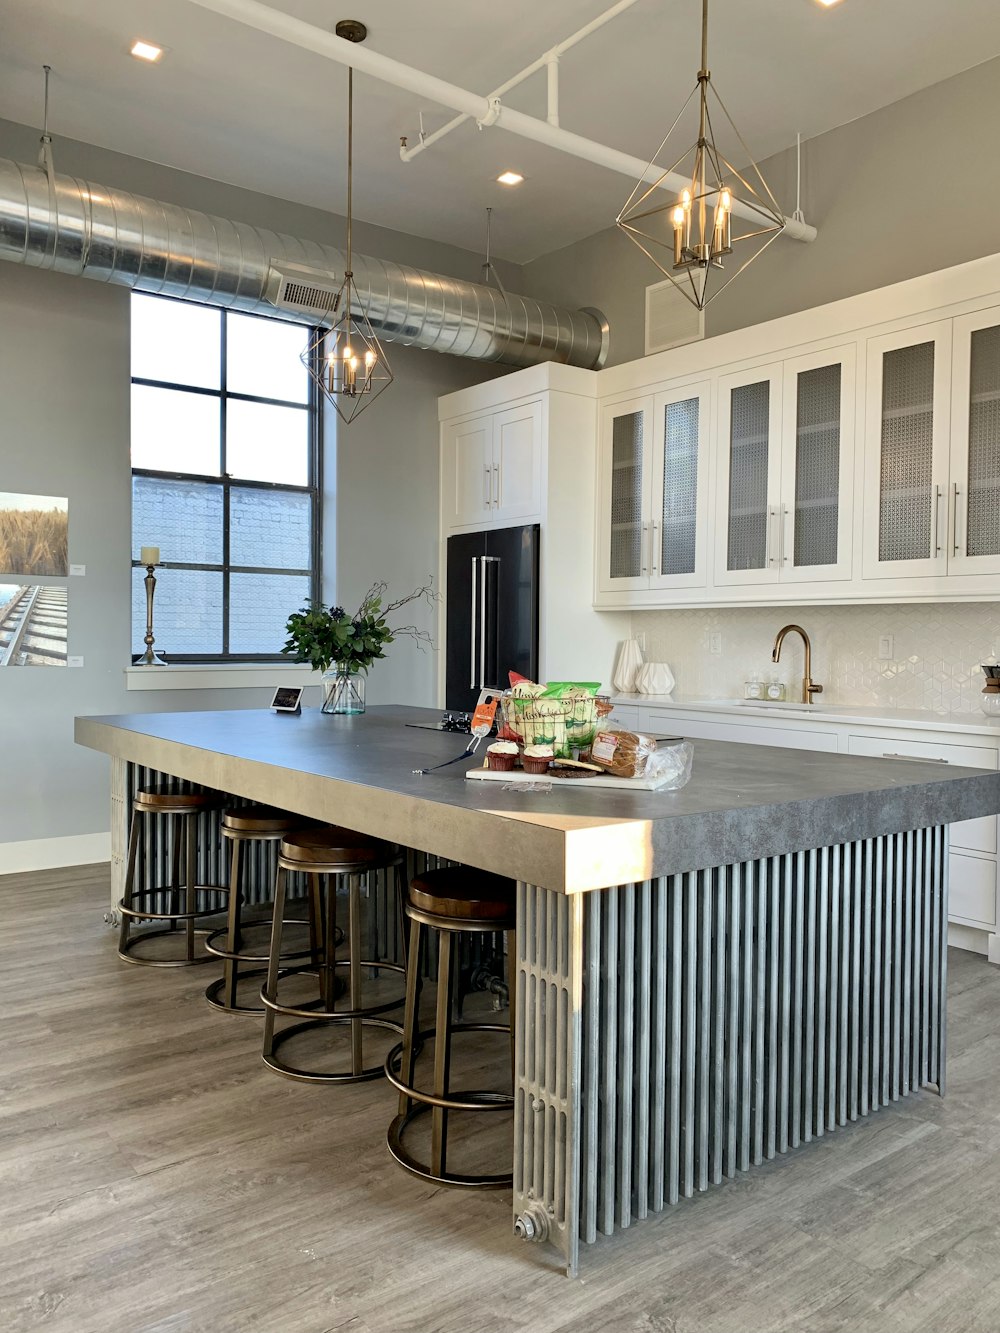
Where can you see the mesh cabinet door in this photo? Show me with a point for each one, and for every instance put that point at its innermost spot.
(817, 467)
(907, 420)
(974, 493)
(749, 476)
(680, 488)
(624, 550)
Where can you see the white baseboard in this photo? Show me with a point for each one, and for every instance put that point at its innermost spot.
(968, 938)
(83, 849)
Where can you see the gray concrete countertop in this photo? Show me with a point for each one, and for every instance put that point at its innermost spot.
(743, 801)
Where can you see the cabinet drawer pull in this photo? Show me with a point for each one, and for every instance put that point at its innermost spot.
(920, 759)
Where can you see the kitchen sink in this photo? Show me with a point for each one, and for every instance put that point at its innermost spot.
(780, 705)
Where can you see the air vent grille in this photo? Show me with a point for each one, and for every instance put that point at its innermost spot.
(303, 290)
(671, 319)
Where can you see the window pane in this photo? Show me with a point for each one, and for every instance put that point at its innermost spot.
(182, 518)
(176, 341)
(265, 443)
(187, 611)
(264, 358)
(174, 431)
(259, 606)
(270, 528)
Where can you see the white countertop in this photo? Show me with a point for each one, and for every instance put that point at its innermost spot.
(924, 719)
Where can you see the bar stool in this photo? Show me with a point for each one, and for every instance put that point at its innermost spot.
(328, 855)
(183, 808)
(448, 901)
(243, 825)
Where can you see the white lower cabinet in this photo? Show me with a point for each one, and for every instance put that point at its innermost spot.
(974, 842)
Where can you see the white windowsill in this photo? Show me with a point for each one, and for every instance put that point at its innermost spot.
(219, 676)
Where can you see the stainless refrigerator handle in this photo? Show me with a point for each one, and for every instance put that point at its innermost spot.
(472, 621)
(482, 624)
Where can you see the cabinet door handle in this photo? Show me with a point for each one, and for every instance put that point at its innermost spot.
(955, 545)
(645, 554)
(496, 485)
(487, 486)
(472, 622)
(783, 526)
(772, 514)
(936, 543)
(917, 758)
(654, 559)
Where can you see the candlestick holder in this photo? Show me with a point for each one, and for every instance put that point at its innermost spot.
(149, 657)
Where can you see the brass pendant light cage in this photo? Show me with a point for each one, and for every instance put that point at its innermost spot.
(346, 360)
(691, 237)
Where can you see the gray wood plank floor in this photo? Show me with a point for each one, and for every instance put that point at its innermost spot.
(156, 1178)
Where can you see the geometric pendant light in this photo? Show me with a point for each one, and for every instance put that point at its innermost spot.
(694, 239)
(346, 360)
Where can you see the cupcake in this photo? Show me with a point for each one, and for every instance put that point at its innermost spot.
(501, 756)
(536, 758)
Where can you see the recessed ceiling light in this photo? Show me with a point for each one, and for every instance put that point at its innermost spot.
(828, 3)
(510, 178)
(146, 51)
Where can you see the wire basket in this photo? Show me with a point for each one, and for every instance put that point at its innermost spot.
(568, 725)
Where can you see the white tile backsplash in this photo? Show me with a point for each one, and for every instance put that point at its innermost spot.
(937, 650)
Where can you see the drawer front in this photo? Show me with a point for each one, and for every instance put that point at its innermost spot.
(976, 835)
(668, 724)
(625, 716)
(972, 891)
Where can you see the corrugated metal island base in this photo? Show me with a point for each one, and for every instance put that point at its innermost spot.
(706, 978)
(676, 1031)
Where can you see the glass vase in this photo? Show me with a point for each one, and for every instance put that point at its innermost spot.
(343, 689)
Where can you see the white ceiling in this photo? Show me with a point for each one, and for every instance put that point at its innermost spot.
(238, 106)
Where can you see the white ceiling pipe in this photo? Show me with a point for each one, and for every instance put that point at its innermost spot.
(550, 58)
(485, 111)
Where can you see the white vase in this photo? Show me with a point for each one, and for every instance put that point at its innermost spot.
(627, 663)
(654, 678)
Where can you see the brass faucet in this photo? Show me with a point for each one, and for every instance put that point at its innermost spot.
(809, 688)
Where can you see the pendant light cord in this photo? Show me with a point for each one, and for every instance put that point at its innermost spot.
(350, 158)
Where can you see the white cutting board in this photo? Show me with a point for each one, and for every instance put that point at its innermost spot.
(598, 780)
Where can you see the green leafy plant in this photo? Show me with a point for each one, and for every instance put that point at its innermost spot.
(323, 635)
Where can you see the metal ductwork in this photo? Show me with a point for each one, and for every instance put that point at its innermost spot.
(73, 226)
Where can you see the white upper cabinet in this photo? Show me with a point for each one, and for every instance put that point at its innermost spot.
(749, 477)
(974, 493)
(653, 492)
(492, 467)
(785, 481)
(907, 421)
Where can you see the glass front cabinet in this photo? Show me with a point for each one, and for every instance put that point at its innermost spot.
(654, 491)
(974, 485)
(785, 471)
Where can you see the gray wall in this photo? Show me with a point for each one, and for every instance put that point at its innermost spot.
(910, 189)
(64, 386)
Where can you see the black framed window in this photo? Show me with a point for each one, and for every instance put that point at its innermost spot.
(226, 478)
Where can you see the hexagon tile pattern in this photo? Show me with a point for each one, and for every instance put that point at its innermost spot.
(937, 651)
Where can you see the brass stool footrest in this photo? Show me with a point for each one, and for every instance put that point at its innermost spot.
(291, 1011)
(474, 1100)
(127, 910)
(213, 991)
(238, 956)
(394, 1140)
(312, 1076)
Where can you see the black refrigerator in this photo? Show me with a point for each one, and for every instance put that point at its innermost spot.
(492, 611)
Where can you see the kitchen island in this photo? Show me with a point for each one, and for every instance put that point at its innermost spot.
(706, 978)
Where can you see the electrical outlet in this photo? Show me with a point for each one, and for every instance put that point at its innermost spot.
(74, 661)
(885, 653)
(715, 644)
(79, 570)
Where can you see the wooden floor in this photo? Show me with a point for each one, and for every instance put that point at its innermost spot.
(156, 1178)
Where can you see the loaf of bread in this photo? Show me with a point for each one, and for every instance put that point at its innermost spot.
(623, 754)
